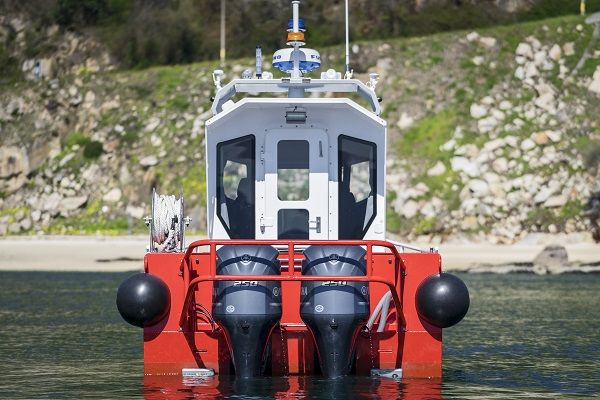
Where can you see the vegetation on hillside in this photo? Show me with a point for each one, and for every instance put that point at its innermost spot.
(108, 138)
(142, 33)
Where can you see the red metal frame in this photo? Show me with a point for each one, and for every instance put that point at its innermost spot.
(187, 337)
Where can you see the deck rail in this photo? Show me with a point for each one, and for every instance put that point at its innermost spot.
(395, 286)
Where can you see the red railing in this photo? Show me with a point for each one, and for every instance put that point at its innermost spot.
(291, 275)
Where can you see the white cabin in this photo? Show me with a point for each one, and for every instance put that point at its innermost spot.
(296, 168)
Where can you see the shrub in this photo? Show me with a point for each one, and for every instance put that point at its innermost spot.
(92, 150)
(592, 156)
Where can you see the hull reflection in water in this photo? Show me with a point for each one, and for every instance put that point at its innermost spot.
(296, 387)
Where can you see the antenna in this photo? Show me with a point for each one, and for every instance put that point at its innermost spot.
(222, 51)
(348, 74)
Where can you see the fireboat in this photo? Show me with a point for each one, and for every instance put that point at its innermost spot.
(296, 276)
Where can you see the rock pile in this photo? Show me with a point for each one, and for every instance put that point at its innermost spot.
(67, 52)
(514, 162)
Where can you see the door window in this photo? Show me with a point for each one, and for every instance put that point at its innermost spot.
(293, 170)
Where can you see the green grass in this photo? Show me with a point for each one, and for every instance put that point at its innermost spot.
(422, 142)
(544, 217)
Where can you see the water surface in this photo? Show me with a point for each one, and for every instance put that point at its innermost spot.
(524, 337)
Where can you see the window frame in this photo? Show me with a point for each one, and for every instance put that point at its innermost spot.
(220, 189)
(373, 178)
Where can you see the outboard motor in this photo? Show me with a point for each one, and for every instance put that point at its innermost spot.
(247, 310)
(334, 311)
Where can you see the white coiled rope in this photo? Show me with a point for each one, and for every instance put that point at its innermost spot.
(167, 220)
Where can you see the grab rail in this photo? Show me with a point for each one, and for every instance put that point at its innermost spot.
(290, 276)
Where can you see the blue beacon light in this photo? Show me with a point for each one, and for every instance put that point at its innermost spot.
(301, 25)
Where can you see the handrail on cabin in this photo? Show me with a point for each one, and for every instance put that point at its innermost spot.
(285, 84)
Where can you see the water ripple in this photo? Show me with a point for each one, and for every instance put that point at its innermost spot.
(525, 337)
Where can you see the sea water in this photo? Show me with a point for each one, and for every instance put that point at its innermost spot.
(524, 337)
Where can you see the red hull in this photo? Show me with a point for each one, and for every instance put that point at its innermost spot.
(187, 339)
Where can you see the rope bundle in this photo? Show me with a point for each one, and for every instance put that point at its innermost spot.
(167, 222)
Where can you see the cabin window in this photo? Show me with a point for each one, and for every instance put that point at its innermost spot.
(357, 192)
(235, 186)
(293, 170)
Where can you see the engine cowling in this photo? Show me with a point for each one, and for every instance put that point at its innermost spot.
(247, 310)
(334, 311)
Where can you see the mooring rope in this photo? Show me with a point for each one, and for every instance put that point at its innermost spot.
(168, 211)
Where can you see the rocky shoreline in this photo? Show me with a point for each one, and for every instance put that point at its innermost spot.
(553, 260)
(125, 253)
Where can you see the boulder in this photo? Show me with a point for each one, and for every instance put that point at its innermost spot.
(520, 73)
(112, 196)
(449, 145)
(569, 49)
(552, 258)
(497, 114)
(555, 52)
(135, 212)
(531, 71)
(152, 124)
(486, 125)
(409, 209)
(14, 168)
(500, 165)
(540, 138)
(41, 149)
(487, 42)
(26, 224)
(14, 228)
(89, 98)
(556, 201)
(527, 145)
(438, 169)
(462, 164)
(473, 36)
(15, 107)
(69, 204)
(19, 215)
(493, 145)
(405, 121)
(17, 24)
(479, 188)
(505, 105)
(545, 192)
(555, 136)
(36, 215)
(149, 161)
(524, 50)
(478, 60)
(595, 85)
(478, 111)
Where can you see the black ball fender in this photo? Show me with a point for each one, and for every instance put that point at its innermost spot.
(442, 300)
(143, 300)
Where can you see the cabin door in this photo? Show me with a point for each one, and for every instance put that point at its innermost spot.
(296, 185)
